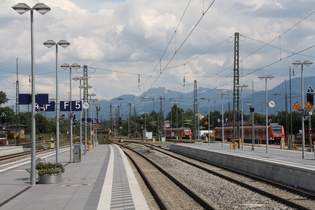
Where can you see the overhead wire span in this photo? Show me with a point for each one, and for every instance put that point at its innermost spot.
(268, 44)
(159, 63)
(180, 46)
(121, 72)
(277, 61)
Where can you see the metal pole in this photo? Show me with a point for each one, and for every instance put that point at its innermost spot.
(85, 129)
(303, 124)
(129, 119)
(242, 120)
(310, 129)
(209, 120)
(253, 131)
(71, 120)
(198, 122)
(80, 122)
(291, 124)
(267, 137)
(222, 120)
(33, 135)
(307, 63)
(57, 108)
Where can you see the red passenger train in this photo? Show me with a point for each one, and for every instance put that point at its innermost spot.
(184, 133)
(275, 133)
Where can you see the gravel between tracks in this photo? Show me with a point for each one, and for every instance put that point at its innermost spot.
(224, 194)
(165, 187)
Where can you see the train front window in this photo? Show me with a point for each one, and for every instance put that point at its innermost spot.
(187, 131)
(277, 131)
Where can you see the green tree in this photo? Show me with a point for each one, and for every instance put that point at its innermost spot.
(8, 115)
(3, 97)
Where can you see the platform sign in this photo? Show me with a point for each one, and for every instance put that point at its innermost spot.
(296, 106)
(301, 112)
(26, 99)
(94, 121)
(238, 119)
(42, 98)
(48, 107)
(219, 120)
(75, 106)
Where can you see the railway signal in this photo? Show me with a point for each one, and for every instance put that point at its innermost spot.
(310, 95)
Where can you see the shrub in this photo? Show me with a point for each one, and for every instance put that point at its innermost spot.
(49, 168)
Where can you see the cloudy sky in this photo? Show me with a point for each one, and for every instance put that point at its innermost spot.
(131, 46)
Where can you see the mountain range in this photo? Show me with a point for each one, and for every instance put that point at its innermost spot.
(157, 97)
(151, 101)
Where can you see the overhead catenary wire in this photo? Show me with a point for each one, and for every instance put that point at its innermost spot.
(180, 46)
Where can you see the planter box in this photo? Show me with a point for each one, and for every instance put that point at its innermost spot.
(49, 178)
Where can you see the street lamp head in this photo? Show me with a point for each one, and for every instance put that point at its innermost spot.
(244, 86)
(207, 99)
(65, 66)
(296, 63)
(41, 8)
(75, 66)
(63, 43)
(270, 76)
(49, 43)
(21, 8)
(307, 63)
(266, 77)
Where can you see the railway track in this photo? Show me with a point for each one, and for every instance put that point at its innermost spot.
(285, 194)
(163, 186)
(288, 196)
(20, 155)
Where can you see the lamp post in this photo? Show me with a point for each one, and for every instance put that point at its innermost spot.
(252, 109)
(91, 125)
(145, 99)
(64, 44)
(299, 63)
(209, 124)
(266, 105)
(222, 119)
(242, 110)
(129, 117)
(21, 8)
(291, 124)
(75, 66)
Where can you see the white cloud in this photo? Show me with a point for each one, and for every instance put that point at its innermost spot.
(130, 36)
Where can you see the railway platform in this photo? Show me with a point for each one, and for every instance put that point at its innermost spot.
(102, 180)
(281, 165)
(7, 150)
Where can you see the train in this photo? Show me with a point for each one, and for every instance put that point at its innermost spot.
(184, 133)
(275, 133)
